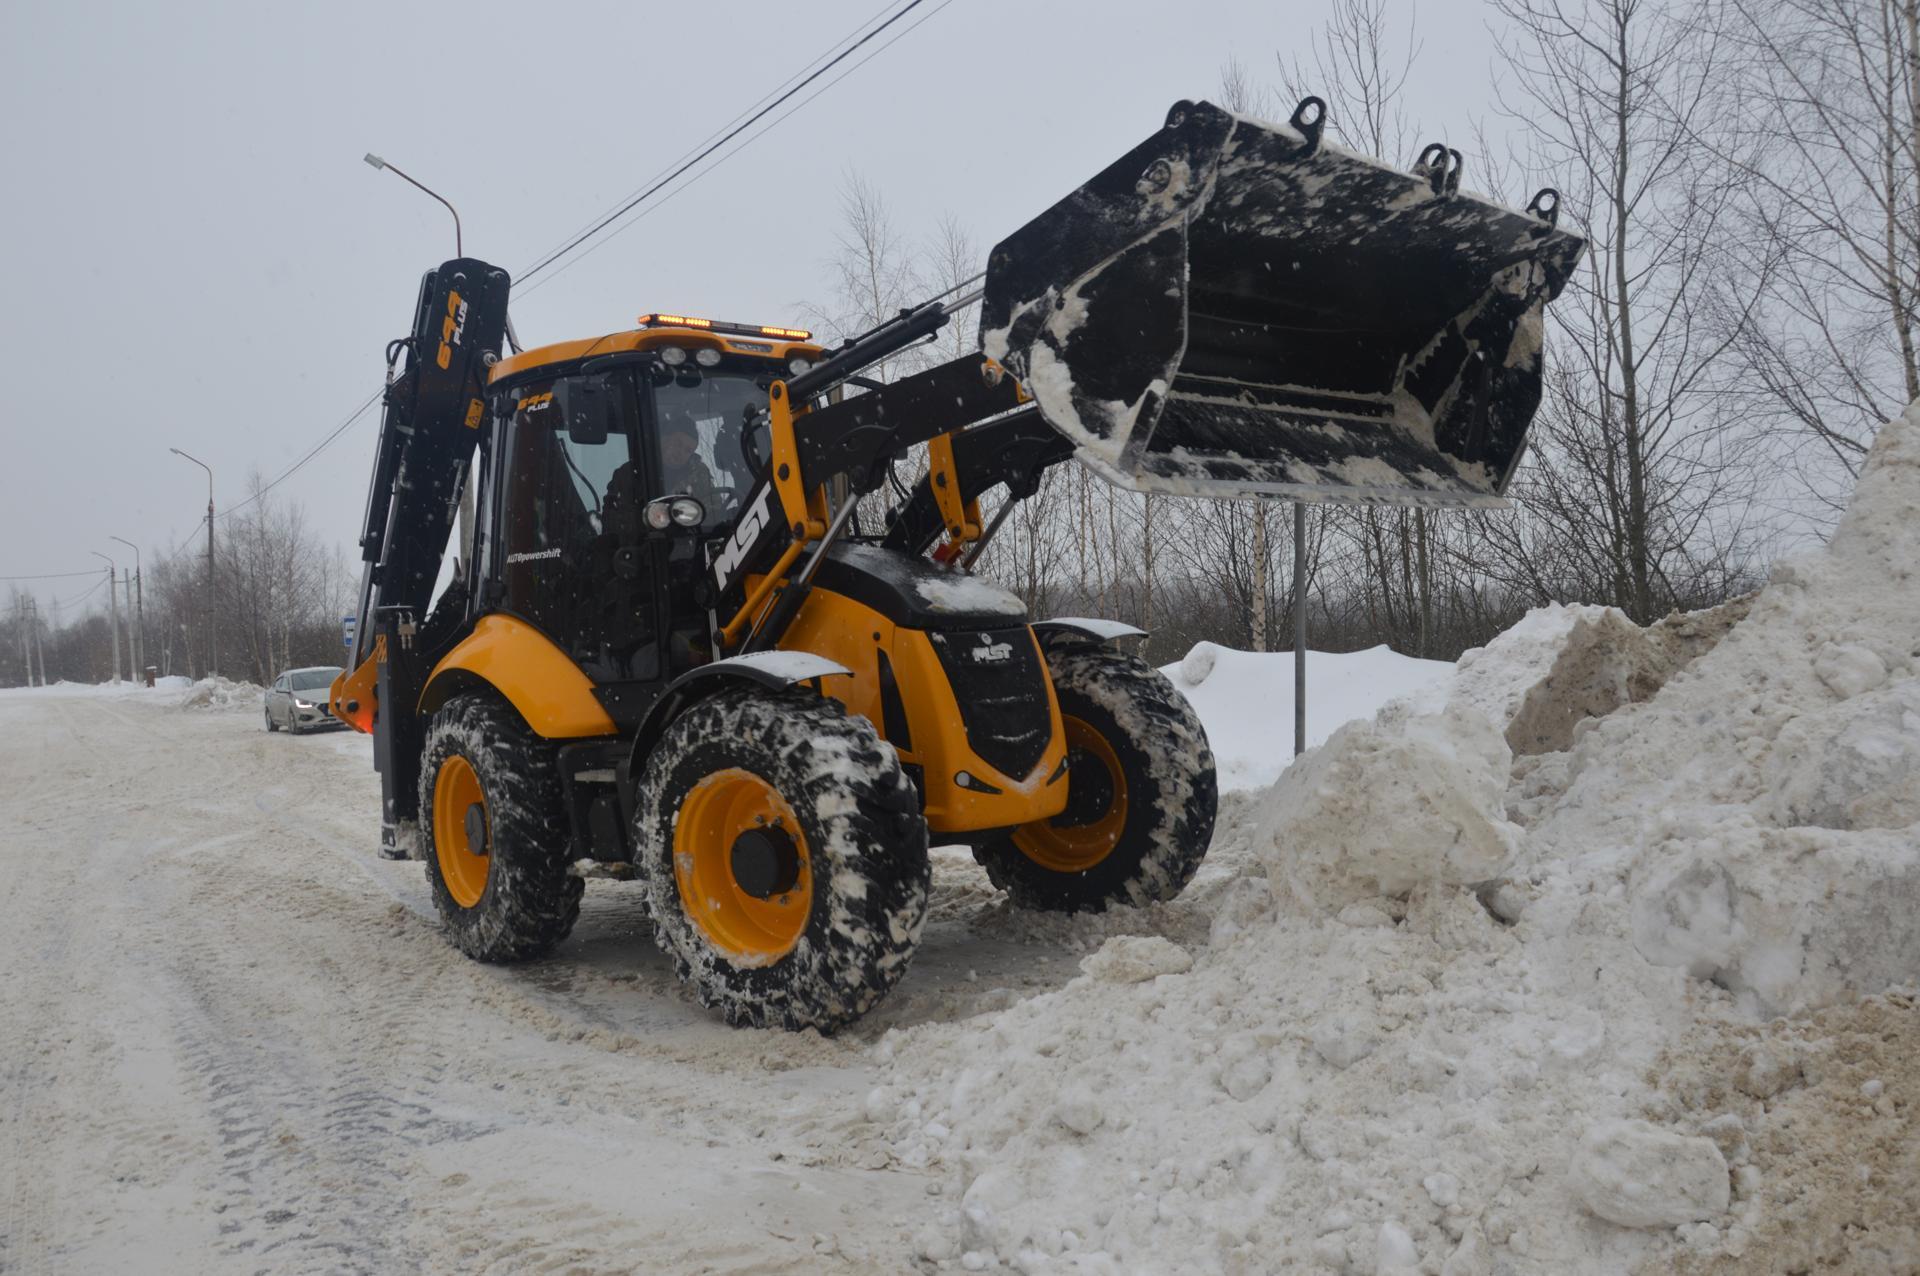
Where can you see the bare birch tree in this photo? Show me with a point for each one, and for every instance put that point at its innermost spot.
(1636, 459)
(1824, 123)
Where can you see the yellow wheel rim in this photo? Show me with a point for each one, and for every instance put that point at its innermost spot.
(1077, 847)
(463, 865)
(749, 928)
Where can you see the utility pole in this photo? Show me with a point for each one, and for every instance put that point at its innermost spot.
(26, 653)
(39, 643)
(1299, 628)
(113, 609)
(126, 583)
(212, 641)
(137, 611)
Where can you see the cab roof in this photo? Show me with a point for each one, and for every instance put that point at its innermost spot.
(657, 335)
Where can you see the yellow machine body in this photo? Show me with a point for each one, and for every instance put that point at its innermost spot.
(543, 685)
(934, 738)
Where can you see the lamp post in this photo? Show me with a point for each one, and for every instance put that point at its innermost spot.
(211, 653)
(113, 609)
(139, 642)
(377, 162)
(466, 488)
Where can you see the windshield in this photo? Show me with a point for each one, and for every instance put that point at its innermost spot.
(700, 415)
(311, 679)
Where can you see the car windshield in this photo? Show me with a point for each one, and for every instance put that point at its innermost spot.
(311, 679)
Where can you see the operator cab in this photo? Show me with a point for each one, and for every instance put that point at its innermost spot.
(589, 443)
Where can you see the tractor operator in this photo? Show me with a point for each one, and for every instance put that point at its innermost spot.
(682, 469)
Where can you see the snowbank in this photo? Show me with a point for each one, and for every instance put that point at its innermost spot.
(223, 694)
(1380, 809)
(1453, 950)
(1245, 700)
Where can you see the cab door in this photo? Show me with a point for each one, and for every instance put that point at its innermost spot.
(571, 556)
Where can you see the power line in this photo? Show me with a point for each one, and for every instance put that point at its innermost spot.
(92, 571)
(316, 450)
(746, 120)
(588, 224)
(75, 602)
(643, 214)
(738, 129)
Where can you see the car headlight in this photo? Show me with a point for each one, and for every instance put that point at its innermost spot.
(688, 512)
(797, 366)
(706, 356)
(673, 356)
(302, 704)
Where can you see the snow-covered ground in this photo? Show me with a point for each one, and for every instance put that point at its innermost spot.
(1584, 957)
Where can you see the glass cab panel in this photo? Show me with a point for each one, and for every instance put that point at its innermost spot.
(700, 415)
(571, 558)
(578, 458)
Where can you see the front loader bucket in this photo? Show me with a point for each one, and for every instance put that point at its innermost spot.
(1235, 307)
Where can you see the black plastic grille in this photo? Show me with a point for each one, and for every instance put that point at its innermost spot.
(997, 680)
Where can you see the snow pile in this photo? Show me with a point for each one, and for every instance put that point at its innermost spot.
(1245, 700)
(1761, 809)
(1382, 808)
(1428, 1026)
(222, 693)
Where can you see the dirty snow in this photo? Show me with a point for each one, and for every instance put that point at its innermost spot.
(1426, 991)
(1594, 956)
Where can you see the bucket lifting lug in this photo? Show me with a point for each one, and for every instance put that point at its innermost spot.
(1309, 119)
(1440, 164)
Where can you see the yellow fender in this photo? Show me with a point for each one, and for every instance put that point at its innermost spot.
(543, 685)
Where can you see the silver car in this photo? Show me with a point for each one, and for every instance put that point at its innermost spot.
(297, 699)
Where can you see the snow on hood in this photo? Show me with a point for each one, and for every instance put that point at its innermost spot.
(1444, 1064)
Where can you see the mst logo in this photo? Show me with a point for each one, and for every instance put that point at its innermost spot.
(728, 560)
(992, 653)
(451, 327)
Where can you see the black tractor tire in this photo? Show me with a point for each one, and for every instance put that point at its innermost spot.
(1167, 781)
(865, 854)
(531, 899)
(271, 724)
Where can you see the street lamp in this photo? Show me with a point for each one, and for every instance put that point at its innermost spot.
(377, 162)
(211, 654)
(139, 643)
(113, 608)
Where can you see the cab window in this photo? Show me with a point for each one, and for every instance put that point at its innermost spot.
(699, 416)
(569, 558)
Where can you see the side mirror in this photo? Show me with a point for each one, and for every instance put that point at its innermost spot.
(668, 512)
(587, 403)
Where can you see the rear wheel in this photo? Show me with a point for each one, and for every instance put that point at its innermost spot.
(1141, 792)
(271, 724)
(494, 829)
(784, 856)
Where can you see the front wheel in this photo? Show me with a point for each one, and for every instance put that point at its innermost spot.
(494, 829)
(1141, 794)
(271, 724)
(784, 857)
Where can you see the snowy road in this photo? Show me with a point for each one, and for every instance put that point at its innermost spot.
(234, 1040)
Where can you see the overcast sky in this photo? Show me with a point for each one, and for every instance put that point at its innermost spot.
(198, 258)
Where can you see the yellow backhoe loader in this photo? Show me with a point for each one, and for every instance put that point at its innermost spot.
(671, 652)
